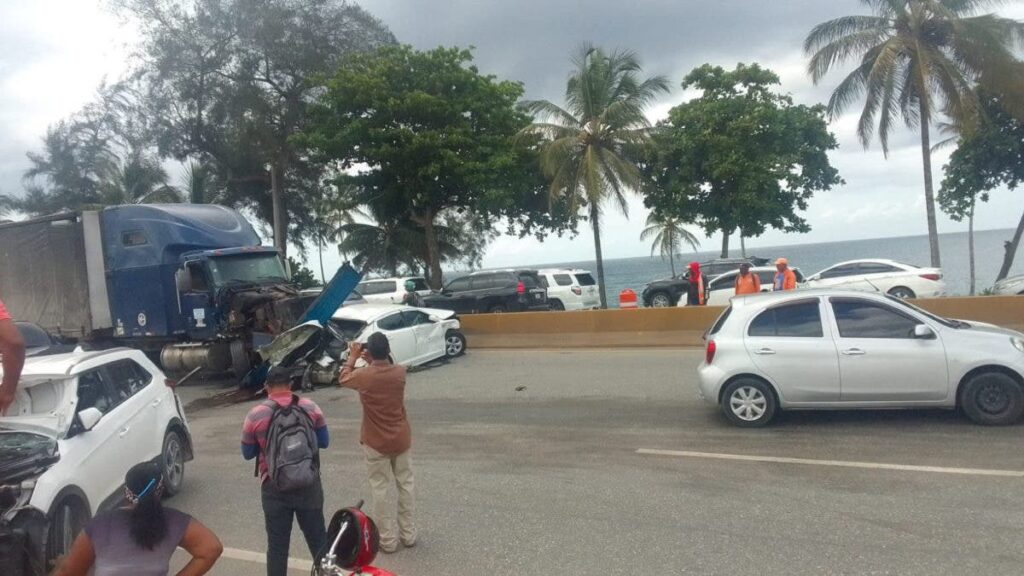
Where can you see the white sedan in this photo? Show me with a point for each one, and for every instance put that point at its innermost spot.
(79, 421)
(1012, 286)
(832, 349)
(885, 276)
(417, 335)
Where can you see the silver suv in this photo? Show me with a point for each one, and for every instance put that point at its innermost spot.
(827, 349)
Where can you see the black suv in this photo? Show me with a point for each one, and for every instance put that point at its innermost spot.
(667, 292)
(501, 291)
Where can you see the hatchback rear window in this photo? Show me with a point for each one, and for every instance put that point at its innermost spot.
(585, 280)
(721, 321)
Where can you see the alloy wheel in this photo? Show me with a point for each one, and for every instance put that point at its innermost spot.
(453, 345)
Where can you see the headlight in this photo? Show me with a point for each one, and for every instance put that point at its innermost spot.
(1018, 343)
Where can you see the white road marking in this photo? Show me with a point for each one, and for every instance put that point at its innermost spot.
(261, 558)
(838, 463)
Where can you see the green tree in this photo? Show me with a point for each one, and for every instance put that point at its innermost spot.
(229, 82)
(739, 157)
(918, 59)
(137, 179)
(301, 276)
(987, 157)
(426, 134)
(591, 148)
(668, 236)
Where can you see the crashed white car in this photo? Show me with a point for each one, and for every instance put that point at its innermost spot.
(417, 335)
(80, 420)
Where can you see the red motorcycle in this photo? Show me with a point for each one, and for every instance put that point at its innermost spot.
(354, 543)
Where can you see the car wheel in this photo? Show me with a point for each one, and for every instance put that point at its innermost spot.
(499, 309)
(661, 300)
(749, 402)
(993, 398)
(172, 460)
(557, 305)
(454, 344)
(67, 519)
(902, 292)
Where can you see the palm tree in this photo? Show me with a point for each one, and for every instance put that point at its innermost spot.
(590, 148)
(918, 58)
(137, 180)
(668, 236)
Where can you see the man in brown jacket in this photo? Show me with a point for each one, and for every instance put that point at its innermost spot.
(386, 436)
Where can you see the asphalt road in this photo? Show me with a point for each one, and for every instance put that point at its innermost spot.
(527, 463)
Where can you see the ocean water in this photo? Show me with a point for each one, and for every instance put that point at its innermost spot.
(811, 258)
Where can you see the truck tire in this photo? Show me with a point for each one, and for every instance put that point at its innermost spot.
(240, 363)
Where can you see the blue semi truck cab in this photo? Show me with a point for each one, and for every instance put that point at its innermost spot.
(188, 282)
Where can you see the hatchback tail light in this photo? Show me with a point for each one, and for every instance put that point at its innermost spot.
(520, 288)
(932, 277)
(577, 290)
(709, 354)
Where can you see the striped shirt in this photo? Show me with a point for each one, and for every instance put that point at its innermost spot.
(254, 430)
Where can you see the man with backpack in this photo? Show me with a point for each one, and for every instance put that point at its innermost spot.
(285, 433)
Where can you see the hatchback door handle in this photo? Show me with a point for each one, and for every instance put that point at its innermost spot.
(157, 401)
(765, 351)
(123, 432)
(854, 352)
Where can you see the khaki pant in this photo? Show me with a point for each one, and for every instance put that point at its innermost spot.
(385, 471)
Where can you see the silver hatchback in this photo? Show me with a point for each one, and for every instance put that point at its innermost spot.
(827, 349)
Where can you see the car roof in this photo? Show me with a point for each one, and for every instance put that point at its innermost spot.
(563, 271)
(504, 270)
(764, 299)
(396, 279)
(371, 312)
(869, 260)
(63, 365)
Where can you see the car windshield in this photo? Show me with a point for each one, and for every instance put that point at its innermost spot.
(255, 268)
(944, 321)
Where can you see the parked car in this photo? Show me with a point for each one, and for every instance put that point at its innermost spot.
(878, 275)
(667, 292)
(829, 349)
(390, 290)
(494, 292)
(570, 289)
(723, 288)
(1014, 285)
(417, 335)
(79, 421)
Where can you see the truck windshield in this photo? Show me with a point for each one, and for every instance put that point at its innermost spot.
(256, 268)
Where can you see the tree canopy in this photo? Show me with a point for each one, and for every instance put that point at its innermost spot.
(421, 135)
(740, 157)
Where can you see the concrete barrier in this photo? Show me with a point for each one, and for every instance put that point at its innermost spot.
(674, 327)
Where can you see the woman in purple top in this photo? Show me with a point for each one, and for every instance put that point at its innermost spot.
(138, 540)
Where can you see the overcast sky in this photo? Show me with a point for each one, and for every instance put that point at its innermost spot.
(54, 53)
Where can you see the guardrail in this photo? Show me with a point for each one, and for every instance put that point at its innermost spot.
(674, 327)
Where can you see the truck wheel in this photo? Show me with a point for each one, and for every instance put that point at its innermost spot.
(240, 363)
(67, 519)
(172, 462)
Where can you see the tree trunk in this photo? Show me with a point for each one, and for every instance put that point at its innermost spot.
(280, 218)
(743, 246)
(725, 243)
(595, 223)
(320, 249)
(433, 257)
(970, 246)
(929, 192)
(672, 262)
(1011, 250)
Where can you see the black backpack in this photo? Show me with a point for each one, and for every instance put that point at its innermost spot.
(292, 453)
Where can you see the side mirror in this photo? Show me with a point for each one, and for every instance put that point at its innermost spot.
(89, 418)
(183, 280)
(923, 332)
